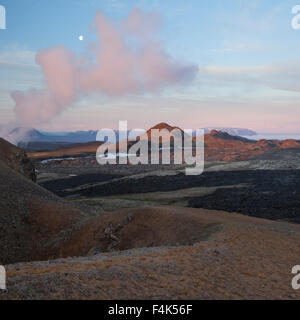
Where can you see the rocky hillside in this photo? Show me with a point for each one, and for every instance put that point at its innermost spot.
(33, 221)
(16, 159)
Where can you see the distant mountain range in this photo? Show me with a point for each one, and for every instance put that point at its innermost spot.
(25, 135)
(34, 135)
(233, 131)
(219, 146)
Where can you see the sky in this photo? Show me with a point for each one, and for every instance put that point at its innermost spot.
(246, 54)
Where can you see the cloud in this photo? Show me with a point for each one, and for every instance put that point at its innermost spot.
(115, 4)
(18, 58)
(284, 76)
(128, 58)
(236, 48)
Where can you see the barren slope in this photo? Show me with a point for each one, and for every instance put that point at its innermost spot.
(246, 258)
(29, 218)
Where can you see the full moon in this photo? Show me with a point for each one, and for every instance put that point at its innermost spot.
(80, 38)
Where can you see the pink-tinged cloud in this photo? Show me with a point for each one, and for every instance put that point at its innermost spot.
(128, 58)
(60, 70)
(38, 106)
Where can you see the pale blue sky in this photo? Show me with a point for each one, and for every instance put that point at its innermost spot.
(248, 56)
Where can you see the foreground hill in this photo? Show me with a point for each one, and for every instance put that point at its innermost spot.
(235, 257)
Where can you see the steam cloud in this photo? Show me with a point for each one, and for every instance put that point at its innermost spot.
(128, 58)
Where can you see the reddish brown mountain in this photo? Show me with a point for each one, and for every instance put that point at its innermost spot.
(222, 146)
(162, 126)
(163, 137)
